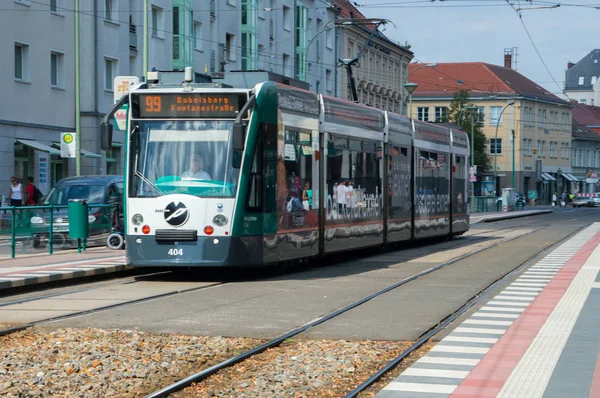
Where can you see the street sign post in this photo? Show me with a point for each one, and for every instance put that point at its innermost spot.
(122, 86)
(538, 170)
(68, 147)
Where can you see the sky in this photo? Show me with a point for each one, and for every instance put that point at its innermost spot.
(480, 30)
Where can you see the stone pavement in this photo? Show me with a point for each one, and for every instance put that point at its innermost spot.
(539, 337)
(40, 268)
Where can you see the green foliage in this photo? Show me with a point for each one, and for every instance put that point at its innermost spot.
(460, 103)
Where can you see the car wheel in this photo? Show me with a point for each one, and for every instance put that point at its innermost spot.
(37, 242)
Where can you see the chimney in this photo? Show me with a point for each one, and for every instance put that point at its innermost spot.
(570, 65)
(507, 60)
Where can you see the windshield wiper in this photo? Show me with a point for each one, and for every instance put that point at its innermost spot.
(147, 181)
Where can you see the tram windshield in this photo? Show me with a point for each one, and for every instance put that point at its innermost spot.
(182, 157)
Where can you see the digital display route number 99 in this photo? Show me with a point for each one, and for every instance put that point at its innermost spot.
(153, 103)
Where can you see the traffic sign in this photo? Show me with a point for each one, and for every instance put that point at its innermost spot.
(67, 145)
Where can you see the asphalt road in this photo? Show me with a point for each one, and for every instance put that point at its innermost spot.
(267, 307)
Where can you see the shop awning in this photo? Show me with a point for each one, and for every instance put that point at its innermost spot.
(84, 153)
(88, 154)
(548, 177)
(39, 146)
(570, 177)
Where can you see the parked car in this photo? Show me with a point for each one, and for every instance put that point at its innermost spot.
(586, 201)
(101, 189)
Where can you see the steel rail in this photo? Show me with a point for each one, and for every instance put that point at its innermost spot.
(181, 384)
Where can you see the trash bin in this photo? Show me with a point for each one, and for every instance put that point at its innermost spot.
(79, 224)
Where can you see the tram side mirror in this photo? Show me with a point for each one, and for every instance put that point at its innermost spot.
(106, 131)
(239, 135)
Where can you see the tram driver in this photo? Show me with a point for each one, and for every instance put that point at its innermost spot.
(195, 171)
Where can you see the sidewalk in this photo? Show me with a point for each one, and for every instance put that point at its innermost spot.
(40, 268)
(539, 337)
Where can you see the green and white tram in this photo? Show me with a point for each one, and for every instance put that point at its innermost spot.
(222, 176)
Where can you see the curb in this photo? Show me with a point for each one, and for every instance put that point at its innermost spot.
(516, 215)
(58, 274)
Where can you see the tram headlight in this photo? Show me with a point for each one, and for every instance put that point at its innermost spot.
(137, 219)
(220, 220)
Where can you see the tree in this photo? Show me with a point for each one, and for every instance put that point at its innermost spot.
(459, 104)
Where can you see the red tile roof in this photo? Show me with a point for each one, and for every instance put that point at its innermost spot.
(479, 78)
(587, 115)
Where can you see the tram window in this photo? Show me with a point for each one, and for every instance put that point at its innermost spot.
(254, 194)
(297, 159)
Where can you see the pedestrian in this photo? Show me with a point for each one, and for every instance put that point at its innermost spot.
(554, 199)
(16, 194)
(563, 199)
(17, 197)
(30, 191)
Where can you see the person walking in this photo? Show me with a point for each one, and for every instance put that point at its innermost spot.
(17, 197)
(16, 194)
(563, 199)
(30, 199)
(554, 199)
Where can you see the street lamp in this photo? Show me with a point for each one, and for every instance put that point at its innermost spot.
(341, 23)
(410, 87)
(496, 145)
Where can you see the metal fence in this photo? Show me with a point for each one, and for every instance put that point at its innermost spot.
(32, 228)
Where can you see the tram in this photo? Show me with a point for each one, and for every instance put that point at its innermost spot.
(224, 176)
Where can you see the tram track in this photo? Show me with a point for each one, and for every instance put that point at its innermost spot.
(138, 280)
(206, 373)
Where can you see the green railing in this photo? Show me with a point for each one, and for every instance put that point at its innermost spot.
(43, 224)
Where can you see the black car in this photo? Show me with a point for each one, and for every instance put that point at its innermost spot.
(100, 189)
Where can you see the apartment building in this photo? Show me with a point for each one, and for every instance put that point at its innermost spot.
(381, 70)
(582, 79)
(585, 158)
(38, 102)
(528, 129)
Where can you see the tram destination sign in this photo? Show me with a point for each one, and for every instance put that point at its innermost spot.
(187, 105)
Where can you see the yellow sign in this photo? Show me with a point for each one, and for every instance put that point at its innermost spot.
(68, 138)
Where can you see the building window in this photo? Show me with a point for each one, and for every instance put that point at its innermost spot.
(22, 62)
(583, 101)
(328, 81)
(286, 64)
(440, 113)
(287, 19)
(57, 70)
(109, 5)
(581, 80)
(594, 79)
(197, 34)
(524, 147)
(53, 5)
(495, 117)
(495, 146)
(110, 71)
(329, 39)
(423, 113)
(480, 118)
(229, 50)
(157, 21)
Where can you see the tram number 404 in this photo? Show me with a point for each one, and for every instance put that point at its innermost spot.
(175, 252)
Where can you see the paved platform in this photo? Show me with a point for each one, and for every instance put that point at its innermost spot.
(539, 337)
(40, 268)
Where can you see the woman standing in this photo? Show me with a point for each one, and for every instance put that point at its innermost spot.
(16, 195)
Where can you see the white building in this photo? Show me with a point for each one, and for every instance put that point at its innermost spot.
(582, 80)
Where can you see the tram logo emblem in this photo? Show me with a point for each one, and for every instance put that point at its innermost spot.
(176, 214)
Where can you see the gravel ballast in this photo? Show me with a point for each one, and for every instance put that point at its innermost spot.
(115, 363)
